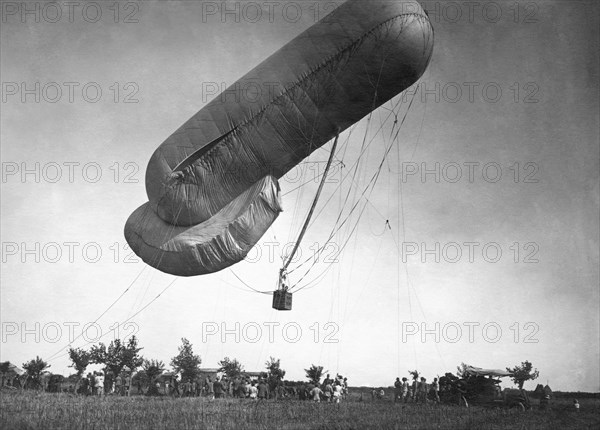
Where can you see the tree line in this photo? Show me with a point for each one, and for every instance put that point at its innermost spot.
(120, 357)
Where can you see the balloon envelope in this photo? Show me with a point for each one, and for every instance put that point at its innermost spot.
(212, 185)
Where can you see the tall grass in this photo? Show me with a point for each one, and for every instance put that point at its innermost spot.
(32, 410)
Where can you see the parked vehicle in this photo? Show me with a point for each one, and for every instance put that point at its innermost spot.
(481, 387)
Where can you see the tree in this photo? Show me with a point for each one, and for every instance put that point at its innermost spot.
(274, 372)
(232, 368)
(34, 369)
(4, 369)
(81, 359)
(130, 354)
(314, 374)
(152, 369)
(523, 373)
(117, 355)
(186, 362)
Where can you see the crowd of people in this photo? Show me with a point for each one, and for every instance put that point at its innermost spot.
(419, 391)
(216, 387)
(331, 390)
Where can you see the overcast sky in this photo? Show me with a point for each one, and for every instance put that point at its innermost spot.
(508, 110)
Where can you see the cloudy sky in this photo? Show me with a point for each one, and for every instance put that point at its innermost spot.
(478, 244)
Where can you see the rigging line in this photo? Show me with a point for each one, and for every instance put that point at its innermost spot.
(349, 237)
(420, 131)
(248, 286)
(162, 254)
(366, 282)
(375, 176)
(406, 271)
(410, 284)
(339, 160)
(103, 313)
(295, 221)
(152, 301)
(330, 265)
(344, 145)
(330, 237)
(172, 227)
(354, 166)
(235, 286)
(385, 227)
(312, 209)
(398, 273)
(374, 207)
(128, 319)
(371, 184)
(310, 180)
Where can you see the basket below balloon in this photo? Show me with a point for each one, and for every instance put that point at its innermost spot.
(282, 300)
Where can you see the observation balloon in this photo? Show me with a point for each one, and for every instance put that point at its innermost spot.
(212, 185)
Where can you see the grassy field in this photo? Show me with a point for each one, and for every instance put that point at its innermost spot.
(33, 410)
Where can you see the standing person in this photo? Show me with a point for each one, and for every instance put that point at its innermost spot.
(345, 388)
(118, 385)
(210, 389)
(127, 384)
(246, 388)
(576, 405)
(167, 387)
(405, 389)
(301, 392)
(414, 389)
(316, 393)
(281, 391)
(397, 390)
(263, 390)
(308, 389)
(253, 391)
(219, 389)
(99, 383)
(422, 387)
(329, 391)
(83, 387)
(92, 384)
(435, 387)
(176, 386)
(337, 392)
